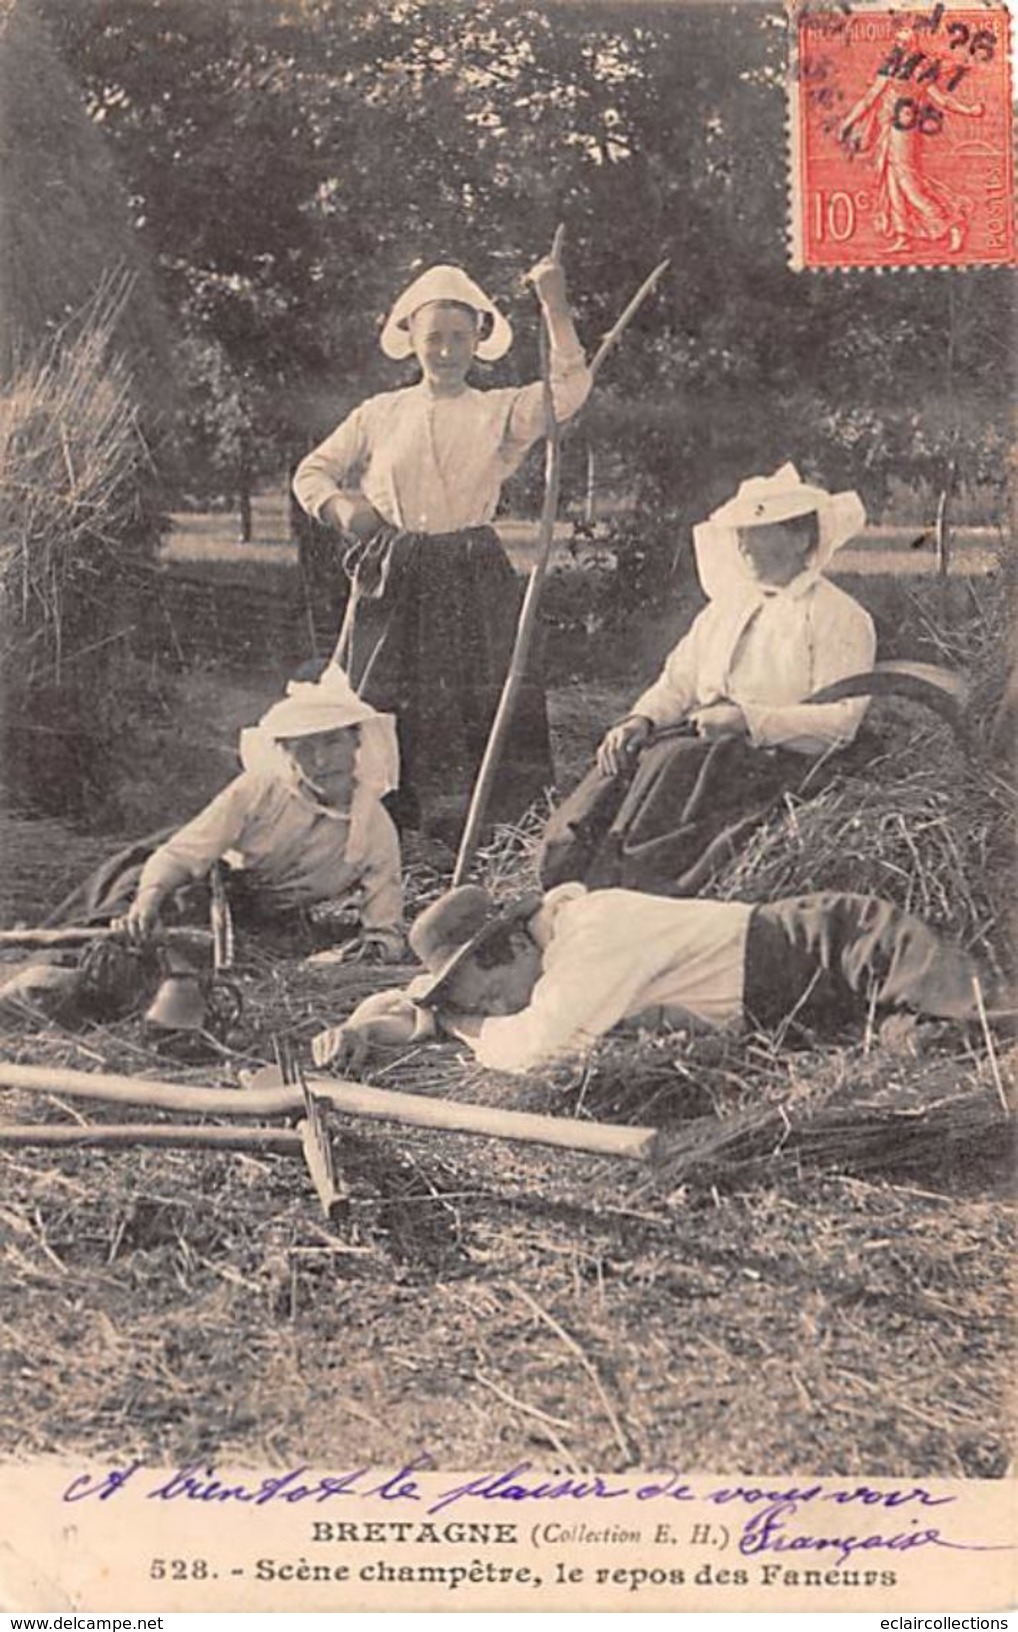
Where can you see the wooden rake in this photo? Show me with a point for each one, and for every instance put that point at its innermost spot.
(316, 1145)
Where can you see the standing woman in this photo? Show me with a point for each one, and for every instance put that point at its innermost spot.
(411, 481)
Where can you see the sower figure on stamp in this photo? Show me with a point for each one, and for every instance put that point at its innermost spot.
(411, 480)
(543, 978)
(893, 128)
(727, 727)
(300, 836)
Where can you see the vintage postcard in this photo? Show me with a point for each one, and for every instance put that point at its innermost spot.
(508, 962)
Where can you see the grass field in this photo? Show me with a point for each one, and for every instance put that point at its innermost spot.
(815, 1276)
(215, 537)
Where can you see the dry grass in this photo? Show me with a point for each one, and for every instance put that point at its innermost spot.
(77, 539)
(815, 1274)
(70, 451)
(775, 1292)
(928, 834)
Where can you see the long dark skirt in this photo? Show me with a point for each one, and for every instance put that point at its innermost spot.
(427, 636)
(684, 811)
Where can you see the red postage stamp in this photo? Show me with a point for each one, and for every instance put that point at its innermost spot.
(901, 135)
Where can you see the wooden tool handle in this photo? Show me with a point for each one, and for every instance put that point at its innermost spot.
(177, 1135)
(352, 1098)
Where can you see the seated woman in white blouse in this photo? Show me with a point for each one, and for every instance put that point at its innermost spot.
(728, 725)
(411, 480)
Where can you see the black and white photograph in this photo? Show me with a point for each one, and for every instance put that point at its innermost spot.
(508, 953)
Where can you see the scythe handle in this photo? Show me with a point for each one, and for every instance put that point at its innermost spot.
(85, 935)
(528, 616)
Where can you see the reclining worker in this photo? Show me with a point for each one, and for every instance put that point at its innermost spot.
(302, 826)
(530, 983)
(774, 631)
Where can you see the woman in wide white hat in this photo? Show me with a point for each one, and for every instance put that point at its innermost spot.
(301, 833)
(411, 480)
(730, 723)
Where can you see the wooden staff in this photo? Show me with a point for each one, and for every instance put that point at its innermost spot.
(198, 940)
(519, 660)
(352, 1098)
(135, 1135)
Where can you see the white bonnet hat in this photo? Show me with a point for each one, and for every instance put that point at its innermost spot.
(445, 283)
(764, 499)
(327, 704)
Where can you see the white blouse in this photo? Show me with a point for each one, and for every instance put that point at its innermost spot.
(434, 464)
(615, 955)
(766, 651)
(296, 850)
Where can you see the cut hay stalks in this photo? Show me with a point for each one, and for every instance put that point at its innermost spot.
(621, 1438)
(853, 1138)
(350, 1098)
(70, 457)
(977, 992)
(925, 838)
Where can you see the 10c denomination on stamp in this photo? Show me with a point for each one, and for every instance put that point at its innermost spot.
(900, 135)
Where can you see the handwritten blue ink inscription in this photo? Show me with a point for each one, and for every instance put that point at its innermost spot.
(766, 1529)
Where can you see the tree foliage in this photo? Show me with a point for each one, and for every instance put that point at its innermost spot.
(292, 162)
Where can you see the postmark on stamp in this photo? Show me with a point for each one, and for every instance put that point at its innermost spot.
(900, 134)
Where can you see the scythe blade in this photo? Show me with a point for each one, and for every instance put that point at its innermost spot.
(936, 688)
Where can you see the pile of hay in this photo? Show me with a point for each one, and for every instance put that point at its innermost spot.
(73, 559)
(922, 829)
(85, 363)
(929, 821)
(68, 223)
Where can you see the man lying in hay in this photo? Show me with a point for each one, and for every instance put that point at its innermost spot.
(303, 827)
(542, 979)
(730, 724)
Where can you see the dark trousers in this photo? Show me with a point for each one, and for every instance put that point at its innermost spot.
(824, 959)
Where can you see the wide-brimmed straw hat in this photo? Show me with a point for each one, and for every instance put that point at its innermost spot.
(455, 926)
(446, 283)
(310, 706)
(327, 704)
(760, 501)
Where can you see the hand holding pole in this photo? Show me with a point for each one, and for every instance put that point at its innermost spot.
(528, 616)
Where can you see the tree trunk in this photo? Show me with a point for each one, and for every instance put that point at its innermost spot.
(244, 489)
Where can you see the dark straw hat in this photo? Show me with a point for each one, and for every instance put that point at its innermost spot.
(446, 933)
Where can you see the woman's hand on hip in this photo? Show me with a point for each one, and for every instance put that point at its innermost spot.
(351, 513)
